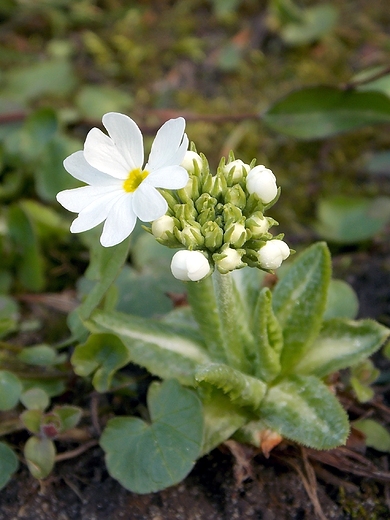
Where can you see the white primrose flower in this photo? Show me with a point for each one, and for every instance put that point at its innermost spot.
(120, 188)
(189, 266)
(262, 181)
(272, 254)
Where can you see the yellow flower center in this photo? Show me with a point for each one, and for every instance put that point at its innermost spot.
(134, 179)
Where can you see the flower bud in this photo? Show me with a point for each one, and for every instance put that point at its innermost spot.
(262, 182)
(218, 185)
(272, 254)
(228, 260)
(189, 266)
(234, 171)
(257, 224)
(213, 235)
(162, 225)
(190, 160)
(236, 196)
(190, 236)
(235, 235)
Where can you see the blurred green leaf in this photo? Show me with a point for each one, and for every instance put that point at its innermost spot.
(166, 449)
(319, 112)
(377, 436)
(41, 355)
(381, 84)
(95, 100)
(10, 390)
(69, 416)
(352, 219)
(35, 399)
(40, 456)
(342, 301)
(53, 77)
(379, 163)
(38, 129)
(8, 464)
(314, 23)
(9, 315)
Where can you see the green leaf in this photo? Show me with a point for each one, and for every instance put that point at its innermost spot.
(342, 301)
(299, 301)
(318, 112)
(301, 408)
(40, 355)
(10, 390)
(8, 464)
(155, 345)
(69, 416)
(35, 399)
(222, 418)
(9, 315)
(32, 420)
(377, 436)
(145, 458)
(39, 454)
(38, 129)
(103, 355)
(340, 344)
(314, 23)
(95, 100)
(268, 339)
(241, 388)
(349, 220)
(381, 84)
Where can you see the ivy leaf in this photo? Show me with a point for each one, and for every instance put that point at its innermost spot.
(145, 458)
(157, 346)
(340, 344)
(301, 408)
(103, 355)
(8, 464)
(319, 112)
(299, 302)
(268, 338)
(241, 388)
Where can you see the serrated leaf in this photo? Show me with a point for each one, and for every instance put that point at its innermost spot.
(341, 344)
(10, 390)
(377, 436)
(268, 339)
(39, 454)
(299, 301)
(319, 112)
(145, 458)
(103, 355)
(342, 301)
(301, 408)
(241, 388)
(155, 345)
(8, 464)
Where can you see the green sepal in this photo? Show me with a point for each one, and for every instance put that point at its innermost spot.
(157, 346)
(340, 344)
(303, 409)
(299, 302)
(242, 389)
(268, 338)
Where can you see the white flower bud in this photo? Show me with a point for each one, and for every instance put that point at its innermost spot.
(188, 161)
(162, 225)
(257, 224)
(238, 166)
(236, 235)
(262, 181)
(231, 261)
(189, 266)
(272, 254)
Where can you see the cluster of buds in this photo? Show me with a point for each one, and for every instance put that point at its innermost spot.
(222, 218)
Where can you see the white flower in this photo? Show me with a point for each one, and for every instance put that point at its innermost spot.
(262, 181)
(188, 161)
(119, 188)
(272, 254)
(189, 266)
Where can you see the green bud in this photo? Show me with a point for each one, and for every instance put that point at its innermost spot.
(236, 196)
(204, 202)
(190, 236)
(218, 185)
(190, 192)
(171, 198)
(206, 215)
(236, 235)
(231, 215)
(213, 235)
(185, 212)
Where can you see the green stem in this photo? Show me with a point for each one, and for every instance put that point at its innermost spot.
(226, 298)
(201, 297)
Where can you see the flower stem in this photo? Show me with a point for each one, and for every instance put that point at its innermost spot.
(202, 298)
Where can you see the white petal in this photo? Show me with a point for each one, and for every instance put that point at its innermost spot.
(127, 138)
(101, 153)
(78, 167)
(148, 203)
(169, 145)
(94, 213)
(120, 222)
(170, 177)
(79, 198)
